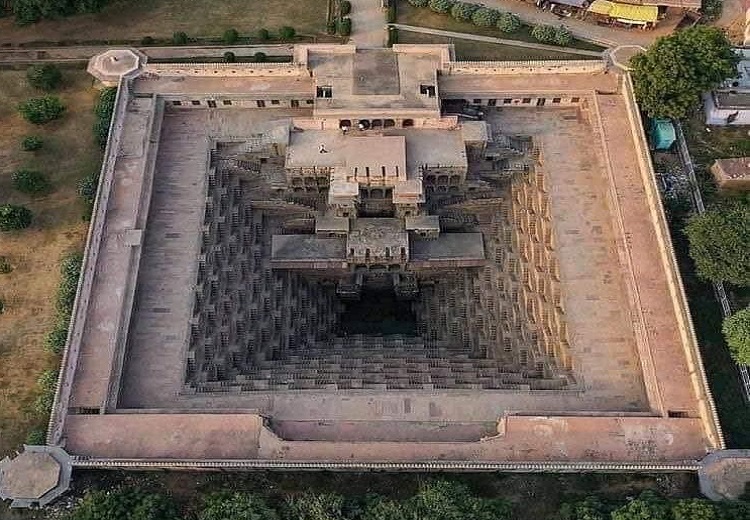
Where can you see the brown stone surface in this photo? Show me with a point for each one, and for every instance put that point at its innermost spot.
(29, 476)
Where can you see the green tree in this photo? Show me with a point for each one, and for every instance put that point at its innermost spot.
(87, 188)
(443, 500)
(346, 7)
(36, 437)
(441, 6)
(46, 384)
(508, 22)
(378, 508)
(694, 509)
(236, 506)
(41, 110)
(590, 508)
(263, 34)
(419, 3)
(671, 76)
(31, 143)
(485, 17)
(543, 33)
(231, 36)
(719, 242)
(180, 38)
(14, 217)
(287, 32)
(462, 11)
(736, 329)
(30, 182)
(44, 77)
(312, 506)
(648, 506)
(563, 36)
(124, 504)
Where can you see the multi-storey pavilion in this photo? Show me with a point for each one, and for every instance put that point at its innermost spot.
(367, 258)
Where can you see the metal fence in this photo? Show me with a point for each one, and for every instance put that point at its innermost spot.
(721, 294)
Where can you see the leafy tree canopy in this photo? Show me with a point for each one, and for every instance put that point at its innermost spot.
(648, 506)
(30, 182)
(441, 6)
(590, 508)
(311, 506)
(125, 504)
(720, 241)
(544, 33)
(736, 329)
(31, 143)
(485, 17)
(41, 110)
(14, 217)
(670, 77)
(236, 506)
(44, 77)
(462, 11)
(508, 22)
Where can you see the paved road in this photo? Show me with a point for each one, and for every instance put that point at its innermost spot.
(490, 39)
(587, 30)
(368, 24)
(83, 53)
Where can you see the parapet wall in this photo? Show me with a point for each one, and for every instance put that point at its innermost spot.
(226, 69)
(525, 67)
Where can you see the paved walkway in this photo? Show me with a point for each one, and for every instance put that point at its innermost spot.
(83, 53)
(490, 39)
(368, 24)
(587, 30)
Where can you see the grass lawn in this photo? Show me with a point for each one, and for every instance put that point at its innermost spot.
(68, 154)
(132, 20)
(468, 50)
(407, 14)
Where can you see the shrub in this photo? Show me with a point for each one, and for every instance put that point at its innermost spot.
(36, 437)
(311, 506)
(14, 217)
(647, 506)
(736, 329)
(87, 188)
(419, 3)
(5, 266)
(508, 22)
(563, 36)
(30, 182)
(55, 340)
(454, 501)
(103, 109)
(345, 26)
(346, 7)
(46, 385)
(41, 110)
(485, 17)
(590, 508)
(331, 27)
(44, 77)
(263, 34)
(180, 38)
(147, 40)
(260, 57)
(31, 143)
(229, 57)
(462, 11)
(543, 33)
(125, 504)
(287, 33)
(70, 269)
(391, 14)
(231, 36)
(236, 506)
(441, 6)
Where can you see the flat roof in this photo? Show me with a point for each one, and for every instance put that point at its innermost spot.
(448, 246)
(306, 248)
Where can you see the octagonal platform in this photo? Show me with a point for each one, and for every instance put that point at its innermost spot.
(36, 476)
(108, 67)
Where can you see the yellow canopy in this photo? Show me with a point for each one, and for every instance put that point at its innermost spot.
(637, 13)
(601, 7)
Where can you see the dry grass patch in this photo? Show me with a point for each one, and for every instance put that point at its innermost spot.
(128, 20)
(69, 153)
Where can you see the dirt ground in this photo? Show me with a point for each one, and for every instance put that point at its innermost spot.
(68, 154)
(127, 20)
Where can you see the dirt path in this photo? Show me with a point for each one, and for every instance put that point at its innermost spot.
(368, 24)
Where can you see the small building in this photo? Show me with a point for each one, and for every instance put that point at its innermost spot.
(629, 14)
(661, 134)
(730, 103)
(732, 174)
